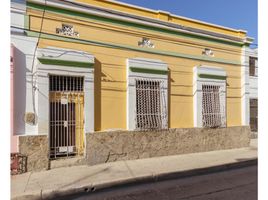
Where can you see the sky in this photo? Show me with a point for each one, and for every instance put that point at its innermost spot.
(238, 14)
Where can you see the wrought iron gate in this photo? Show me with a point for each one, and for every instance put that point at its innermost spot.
(66, 96)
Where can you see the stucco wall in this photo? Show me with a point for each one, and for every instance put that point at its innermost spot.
(126, 145)
(112, 146)
(253, 87)
(110, 80)
(35, 147)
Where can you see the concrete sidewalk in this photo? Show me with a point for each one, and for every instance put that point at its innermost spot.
(69, 180)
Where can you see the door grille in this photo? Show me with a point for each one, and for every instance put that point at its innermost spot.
(66, 83)
(66, 116)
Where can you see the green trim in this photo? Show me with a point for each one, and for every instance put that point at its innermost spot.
(49, 61)
(127, 24)
(126, 47)
(26, 22)
(212, 76)
(148, 71)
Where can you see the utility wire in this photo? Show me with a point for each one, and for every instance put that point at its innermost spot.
(169, 63)
(92, 43)
(32, 68)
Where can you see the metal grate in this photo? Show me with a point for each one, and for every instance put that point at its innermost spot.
(66, 83)
(252, 66)
(211, 106)
(149, 112)
(66, 115)
(254, 115)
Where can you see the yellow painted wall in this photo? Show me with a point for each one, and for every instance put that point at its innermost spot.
(110, 68)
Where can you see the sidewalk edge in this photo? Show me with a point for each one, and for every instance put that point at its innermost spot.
(87, 189)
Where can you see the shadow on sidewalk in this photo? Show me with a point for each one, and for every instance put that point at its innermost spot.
(84, 178)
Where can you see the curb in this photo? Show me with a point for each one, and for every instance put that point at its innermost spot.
(87, 189)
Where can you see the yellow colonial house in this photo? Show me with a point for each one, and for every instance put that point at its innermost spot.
(112, 81)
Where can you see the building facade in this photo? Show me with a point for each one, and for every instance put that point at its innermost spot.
(105, 66)
(253, 89)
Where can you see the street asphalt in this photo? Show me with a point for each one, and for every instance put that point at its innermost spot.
(234, 184)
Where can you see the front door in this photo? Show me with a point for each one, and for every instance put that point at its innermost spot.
(66, 99)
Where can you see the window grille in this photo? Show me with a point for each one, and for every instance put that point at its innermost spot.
(66, 83)
(252, 66)
(212, 113)
(149, 105)
(254, 115)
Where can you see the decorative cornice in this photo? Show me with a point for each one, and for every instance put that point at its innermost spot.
(146, 50)
(148, 71)
(146, 42)
(67, 30)
(49, 61)
(209, 76)
(118, 18)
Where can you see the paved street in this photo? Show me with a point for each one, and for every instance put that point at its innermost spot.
(236, 184)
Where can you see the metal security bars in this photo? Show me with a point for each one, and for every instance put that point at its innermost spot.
(254, 115)
(252, 66)
(212, 115)
(66, 116)
(149, 105)
(66, 83)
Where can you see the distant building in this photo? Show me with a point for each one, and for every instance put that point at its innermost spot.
(86, 66)
(253, 88)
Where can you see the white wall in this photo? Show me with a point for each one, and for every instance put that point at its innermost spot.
(253, 80)
(43, 84)
(197, 91)
(23, 58)
(253, 87)
(245, 86)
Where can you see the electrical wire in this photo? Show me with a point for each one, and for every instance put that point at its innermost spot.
(169, 63)
(32, 68)
(41, 29)
(123, 56)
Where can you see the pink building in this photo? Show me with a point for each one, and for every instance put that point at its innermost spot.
(14, 138)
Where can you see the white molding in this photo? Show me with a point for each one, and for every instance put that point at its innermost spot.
(166, 12)
(65, 54)
(43, 72)
(18, 6)
(210, 70)
(197, 90)
(139, 21)
(143, 63)
(245, 86)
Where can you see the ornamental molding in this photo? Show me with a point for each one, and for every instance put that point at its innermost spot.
(67, 30)
(146, 42)
(208, 52)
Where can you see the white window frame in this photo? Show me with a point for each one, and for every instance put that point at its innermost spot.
(207, 75)
(152, 66)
